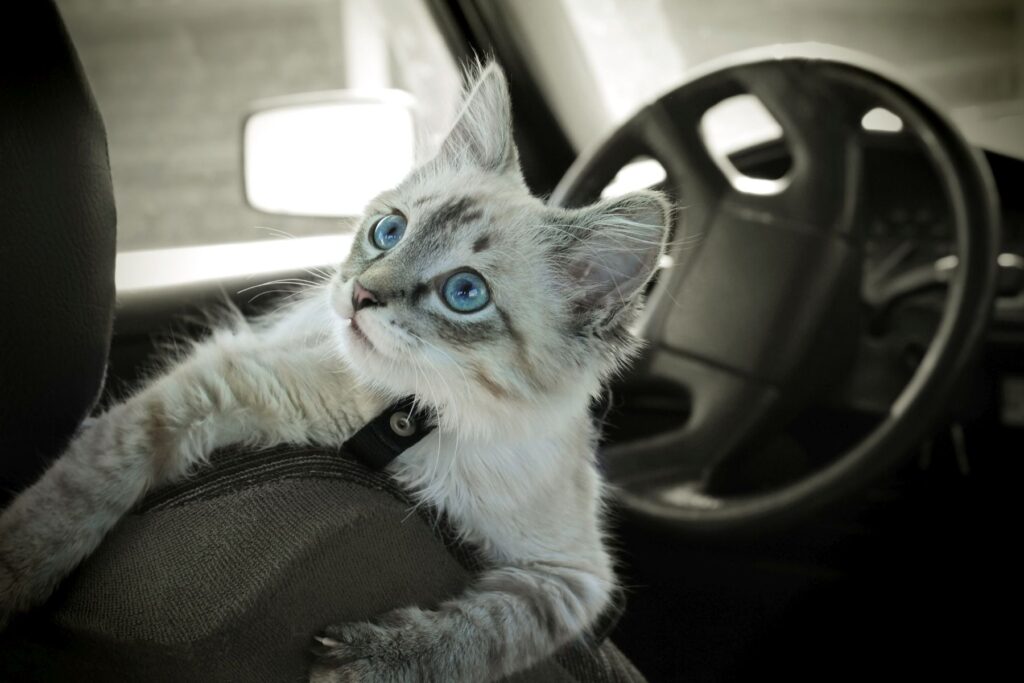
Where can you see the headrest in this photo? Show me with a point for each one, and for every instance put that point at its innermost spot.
(57, 243)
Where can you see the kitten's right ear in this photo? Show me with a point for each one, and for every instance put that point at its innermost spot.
(614, 250)
(482, 134)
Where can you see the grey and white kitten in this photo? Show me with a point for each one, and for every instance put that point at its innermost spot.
(501, 313)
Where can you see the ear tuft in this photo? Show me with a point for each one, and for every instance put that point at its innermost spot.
(482, 134)
(616, 249)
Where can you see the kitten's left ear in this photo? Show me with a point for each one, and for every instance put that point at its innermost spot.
(482, 134)
(615, 250)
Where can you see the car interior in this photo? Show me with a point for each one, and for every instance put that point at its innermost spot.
(810, 459)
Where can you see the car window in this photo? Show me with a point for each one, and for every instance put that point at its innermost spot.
(600, 60)
(175, 80)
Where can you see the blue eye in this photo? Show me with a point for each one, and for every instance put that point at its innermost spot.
(388, 231)
(465, 292)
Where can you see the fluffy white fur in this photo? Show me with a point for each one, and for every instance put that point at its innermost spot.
(512, 460)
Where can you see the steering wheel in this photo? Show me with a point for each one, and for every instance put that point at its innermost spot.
(762, 310)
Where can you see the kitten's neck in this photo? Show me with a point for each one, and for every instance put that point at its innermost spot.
(507, 422)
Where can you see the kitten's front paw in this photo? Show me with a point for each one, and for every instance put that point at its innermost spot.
(26, 579)
(8, 594)
(9, 583)
(392, 650)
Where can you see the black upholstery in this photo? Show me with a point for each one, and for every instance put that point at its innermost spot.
(229, 576)
(57, 243)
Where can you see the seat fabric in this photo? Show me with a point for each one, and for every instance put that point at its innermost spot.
(57, 243)
(235, 570)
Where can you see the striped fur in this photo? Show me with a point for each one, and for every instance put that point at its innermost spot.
(512, 461)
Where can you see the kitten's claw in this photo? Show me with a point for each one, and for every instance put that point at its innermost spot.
(327, 642)
(370, 652)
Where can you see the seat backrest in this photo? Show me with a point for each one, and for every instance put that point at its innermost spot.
(229, 574)
(57, 243)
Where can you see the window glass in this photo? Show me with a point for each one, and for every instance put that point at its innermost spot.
(600, 60)
(175, 80)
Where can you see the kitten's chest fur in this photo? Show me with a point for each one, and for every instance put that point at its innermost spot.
(515, 497)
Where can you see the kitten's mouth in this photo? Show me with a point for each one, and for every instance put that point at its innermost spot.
(358, 333)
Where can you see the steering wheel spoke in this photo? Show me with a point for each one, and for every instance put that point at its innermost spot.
(725, 408)
(690, 166)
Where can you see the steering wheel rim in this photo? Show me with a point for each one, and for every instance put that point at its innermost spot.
(798, 84)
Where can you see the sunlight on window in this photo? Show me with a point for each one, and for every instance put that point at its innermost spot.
(327, 158)
(737, 123)
(882, 121)
(639, 174)
(152, 268)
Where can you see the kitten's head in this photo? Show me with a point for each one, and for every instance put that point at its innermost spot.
(464, 289)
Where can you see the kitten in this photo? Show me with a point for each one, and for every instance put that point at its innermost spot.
(503, 315)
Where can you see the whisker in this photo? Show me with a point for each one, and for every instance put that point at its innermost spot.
(275, 231)
(283, 281)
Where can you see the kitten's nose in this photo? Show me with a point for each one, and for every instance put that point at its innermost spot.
(362, 297)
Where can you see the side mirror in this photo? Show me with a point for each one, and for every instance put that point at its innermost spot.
(326, 153)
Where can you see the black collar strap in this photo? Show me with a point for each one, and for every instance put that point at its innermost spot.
(398, 428)
(390, 434)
